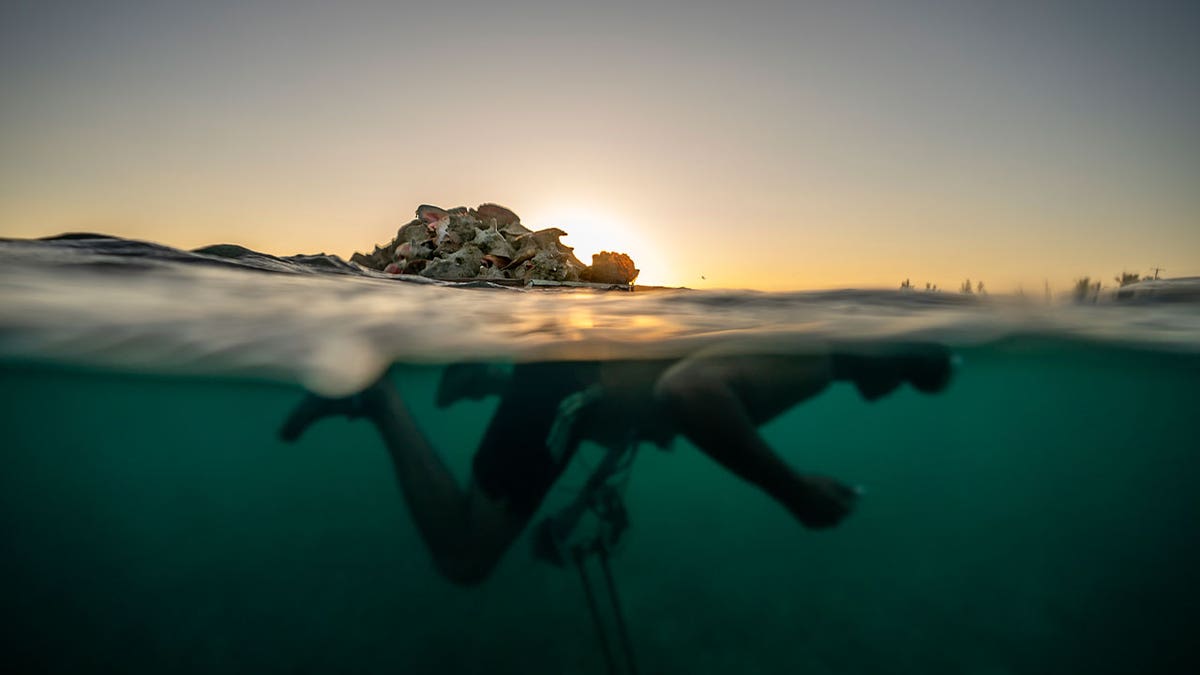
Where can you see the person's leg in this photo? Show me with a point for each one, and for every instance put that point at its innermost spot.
(718, 403)
(466, 532)
(471, 380)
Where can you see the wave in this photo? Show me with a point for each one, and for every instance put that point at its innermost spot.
(334, 326)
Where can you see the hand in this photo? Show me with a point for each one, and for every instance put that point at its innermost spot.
(824, 502)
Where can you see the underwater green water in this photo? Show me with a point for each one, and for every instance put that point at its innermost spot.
(1041, 516)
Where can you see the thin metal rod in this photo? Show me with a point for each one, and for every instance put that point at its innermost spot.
(596, 618)
(622, 630)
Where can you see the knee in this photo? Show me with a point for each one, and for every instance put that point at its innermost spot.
(684, 383)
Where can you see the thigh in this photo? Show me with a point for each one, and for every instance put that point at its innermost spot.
(766, 384)
(513, 465)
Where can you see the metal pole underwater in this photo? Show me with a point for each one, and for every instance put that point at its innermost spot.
(580, 554)
(600, 549)
(622, 629)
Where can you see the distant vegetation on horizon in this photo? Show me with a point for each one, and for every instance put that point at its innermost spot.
(1084, 290)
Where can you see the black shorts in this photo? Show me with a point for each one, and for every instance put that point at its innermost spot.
(513, 464)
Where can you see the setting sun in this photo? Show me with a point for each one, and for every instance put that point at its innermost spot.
(590, 232)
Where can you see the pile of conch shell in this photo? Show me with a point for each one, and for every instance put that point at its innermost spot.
(488, 242)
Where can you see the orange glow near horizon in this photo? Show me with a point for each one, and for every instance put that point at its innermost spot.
(590, 232)
(774, 148)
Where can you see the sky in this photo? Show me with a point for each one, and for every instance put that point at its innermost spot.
(767, 145)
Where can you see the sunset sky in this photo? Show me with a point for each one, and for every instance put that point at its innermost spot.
(772, 145)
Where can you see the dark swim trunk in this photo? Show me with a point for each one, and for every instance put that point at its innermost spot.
(513, 463)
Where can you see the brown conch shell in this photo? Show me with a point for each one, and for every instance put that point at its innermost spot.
(490, 240)
(610, 268)
(463, 263)
(501, 215)
(528, 245)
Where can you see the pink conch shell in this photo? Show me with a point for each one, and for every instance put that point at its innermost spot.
(430, 214)
(436, 219)
(491, 260)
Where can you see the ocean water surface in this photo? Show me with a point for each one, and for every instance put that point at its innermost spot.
(1038, 516)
